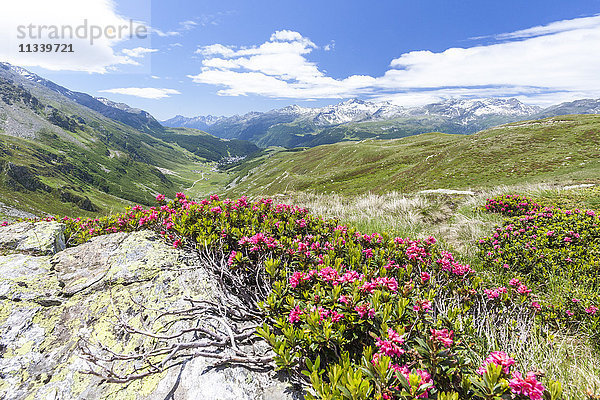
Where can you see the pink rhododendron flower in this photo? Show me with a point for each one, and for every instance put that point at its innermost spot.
(365, 310)
(491, 293)
(349, 277)
(295, 314)
(528, 386)
(298, 277)
(422, 305)
(231, 257)
(591, 310)
(425, 277)
(499, 358)
(522, 289)
(443, 336)
(335, 316)
(329, 274)
(389, 283)
(160, 197)
(389, 348)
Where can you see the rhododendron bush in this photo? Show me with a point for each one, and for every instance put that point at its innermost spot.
(544, 243)
(353, 315)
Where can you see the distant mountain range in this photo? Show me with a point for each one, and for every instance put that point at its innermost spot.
(293, 126)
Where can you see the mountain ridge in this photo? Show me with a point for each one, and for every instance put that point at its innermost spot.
(296, 126)
(63, 151)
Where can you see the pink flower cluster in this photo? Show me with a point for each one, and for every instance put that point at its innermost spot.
(495, 293)
(449, 264)
(365, 309)
(526, 386)
(442, 336)
(416, 252)
(257, 240)
(298, 277)
(422, 305)
(499, 358)
(231, 257)
(295, 314)
(390, 346)
(389, 283)
(327, 274)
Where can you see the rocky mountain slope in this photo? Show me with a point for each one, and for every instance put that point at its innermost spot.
(584, 106)
(62, 151)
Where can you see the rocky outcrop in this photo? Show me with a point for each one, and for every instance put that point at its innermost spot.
(40, 237)
(53, 306)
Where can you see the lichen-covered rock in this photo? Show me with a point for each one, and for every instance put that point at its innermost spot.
(51, 306)
(45, 237)
(116, 258)
(25, 277)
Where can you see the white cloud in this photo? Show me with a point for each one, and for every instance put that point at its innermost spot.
(554, 27)
(165, 34)
(188, 25)
(556, 61)
(146, 93)
(138, 52)
(215, 49)
(98, 57)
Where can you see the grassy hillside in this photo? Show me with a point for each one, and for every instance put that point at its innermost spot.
(557, 149)
(58, 156)
(306, 134)
(206, 146)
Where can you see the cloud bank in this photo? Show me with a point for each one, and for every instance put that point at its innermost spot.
(146, 93)
(544, 64)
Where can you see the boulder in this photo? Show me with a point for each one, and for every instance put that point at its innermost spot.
(52, 307)
(45, 237)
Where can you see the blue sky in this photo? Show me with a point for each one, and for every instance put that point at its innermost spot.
(230, 57)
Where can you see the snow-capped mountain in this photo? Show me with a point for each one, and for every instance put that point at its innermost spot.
(201, 122)
(348, 111)
(301, 126)
(355, 110)
(466, 111)
(584, 106)
(120, 106)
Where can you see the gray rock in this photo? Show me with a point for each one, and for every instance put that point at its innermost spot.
(74, 297)
(115, 258)
(40, 237)
(25, 277)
